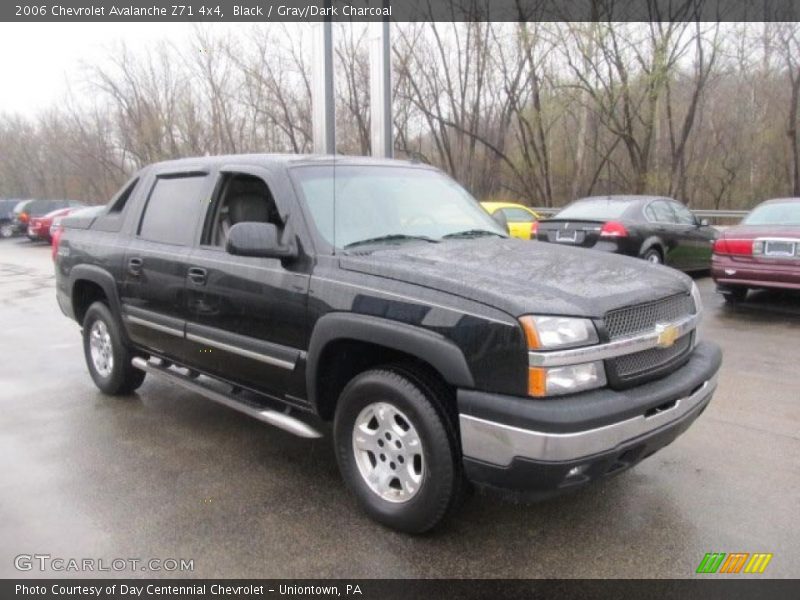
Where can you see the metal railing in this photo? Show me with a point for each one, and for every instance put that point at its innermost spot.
(714, 215)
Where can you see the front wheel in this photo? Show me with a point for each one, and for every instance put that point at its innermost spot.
(107, 357)
(6, 230)
(397, 450)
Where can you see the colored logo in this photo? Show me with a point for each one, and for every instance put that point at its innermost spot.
(667, 334)
(735, 562)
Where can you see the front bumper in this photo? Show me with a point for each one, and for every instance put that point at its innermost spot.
(550, 446)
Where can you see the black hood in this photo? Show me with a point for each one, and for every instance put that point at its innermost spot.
(522, 277)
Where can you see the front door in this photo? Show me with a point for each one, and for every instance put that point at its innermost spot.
(245, 315)
(697, 239)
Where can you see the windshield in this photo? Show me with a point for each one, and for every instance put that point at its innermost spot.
(593, 209)
(778, 213)
(389, 205)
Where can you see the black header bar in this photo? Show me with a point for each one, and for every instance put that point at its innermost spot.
(264, 11)
(707, 588)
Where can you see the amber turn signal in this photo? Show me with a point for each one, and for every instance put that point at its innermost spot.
(537, 382)
(531, 336)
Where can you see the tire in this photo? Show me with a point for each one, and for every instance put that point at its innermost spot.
(107, 357)
(733, 295)
(396, 405)
(6, 230)
(653, 256)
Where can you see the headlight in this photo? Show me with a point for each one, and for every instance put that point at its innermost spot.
(550, 333)
(557, 381)
(698, 301)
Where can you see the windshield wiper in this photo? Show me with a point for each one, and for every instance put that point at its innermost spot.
(472, 233)
(392, 237)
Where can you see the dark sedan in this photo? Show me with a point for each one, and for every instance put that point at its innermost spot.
(659, 230)
(7, 217)
(762, 252)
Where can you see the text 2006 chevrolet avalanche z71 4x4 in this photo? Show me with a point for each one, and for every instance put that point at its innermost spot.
(378, 295)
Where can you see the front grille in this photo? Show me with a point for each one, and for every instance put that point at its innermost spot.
(638, 367)
(643, 317)
(632, 367)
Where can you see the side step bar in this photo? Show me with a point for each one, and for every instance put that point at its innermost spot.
(267, 415)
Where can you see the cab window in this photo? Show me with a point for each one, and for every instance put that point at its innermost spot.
(173, 208)
(240, 198)
(683, 214)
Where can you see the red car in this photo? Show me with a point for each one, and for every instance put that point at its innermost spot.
(762, 252)
(57, 228)
(39, 227)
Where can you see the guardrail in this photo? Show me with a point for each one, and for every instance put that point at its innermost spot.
(736, 215)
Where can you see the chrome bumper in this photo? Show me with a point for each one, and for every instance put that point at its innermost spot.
(499, 444)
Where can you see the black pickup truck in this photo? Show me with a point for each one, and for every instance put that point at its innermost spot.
(378, 295)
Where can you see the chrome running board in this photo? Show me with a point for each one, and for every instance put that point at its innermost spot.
(266, 415)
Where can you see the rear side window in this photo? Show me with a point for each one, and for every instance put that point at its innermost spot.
(122, 199)
(172, 210)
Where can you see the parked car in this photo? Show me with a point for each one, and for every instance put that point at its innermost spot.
(519, 218)
(762, 252)
(25, 210)
(7, 217)
(56, 228)
(659, 230)
(379, 295)
(39, 227)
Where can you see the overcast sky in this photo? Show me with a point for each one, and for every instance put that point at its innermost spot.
(37, 59)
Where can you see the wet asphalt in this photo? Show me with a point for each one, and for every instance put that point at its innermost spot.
(166, 474)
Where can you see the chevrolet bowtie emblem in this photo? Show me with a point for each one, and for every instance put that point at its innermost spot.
(667, 334)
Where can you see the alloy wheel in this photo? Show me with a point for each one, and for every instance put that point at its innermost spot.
(388, 452)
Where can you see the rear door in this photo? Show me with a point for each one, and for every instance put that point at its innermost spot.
(155, 265)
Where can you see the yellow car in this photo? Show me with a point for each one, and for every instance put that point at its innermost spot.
(520, 218)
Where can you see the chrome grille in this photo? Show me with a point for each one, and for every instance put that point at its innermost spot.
(631, 366)
(643, 317)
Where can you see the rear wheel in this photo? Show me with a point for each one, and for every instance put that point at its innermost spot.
(733, 295)
(6, 230)
(653, 256)
(397, 450)
(107, 357)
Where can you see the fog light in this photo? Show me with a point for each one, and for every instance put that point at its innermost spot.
(575, 471)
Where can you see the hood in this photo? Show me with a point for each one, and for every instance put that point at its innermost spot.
(751, 232)
(522, 277)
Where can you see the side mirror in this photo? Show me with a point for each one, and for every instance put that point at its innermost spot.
(501, 218)
(704, 223)
(257, 239)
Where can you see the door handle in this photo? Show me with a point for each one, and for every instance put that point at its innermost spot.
(135, 266)
(198, 275)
